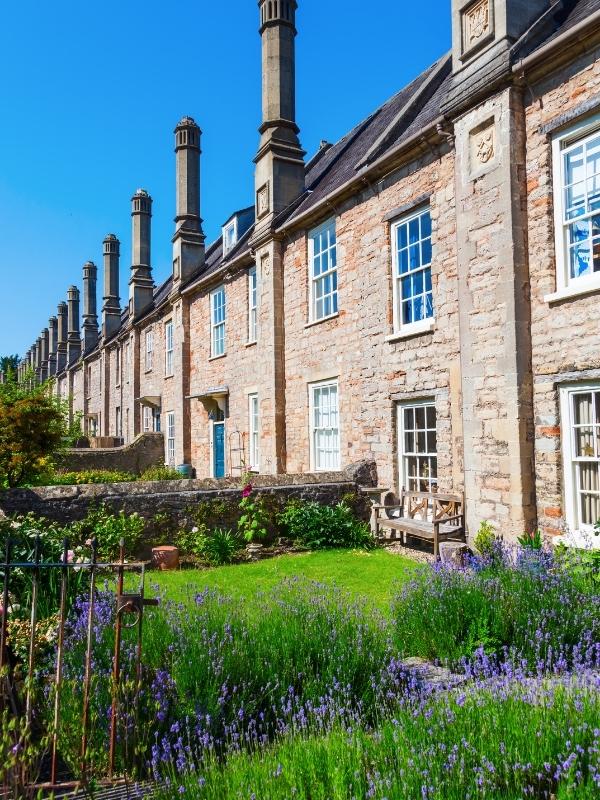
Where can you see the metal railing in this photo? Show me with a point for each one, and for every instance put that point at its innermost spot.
(18, 698)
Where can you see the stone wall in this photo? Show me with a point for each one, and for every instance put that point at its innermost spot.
(146, 451)
(175, 500)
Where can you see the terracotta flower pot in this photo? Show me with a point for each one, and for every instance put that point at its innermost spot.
(165, 557)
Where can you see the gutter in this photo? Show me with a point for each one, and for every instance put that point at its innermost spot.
(358, 178)
(548, 48)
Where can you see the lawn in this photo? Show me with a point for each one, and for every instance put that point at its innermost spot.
(374, 575)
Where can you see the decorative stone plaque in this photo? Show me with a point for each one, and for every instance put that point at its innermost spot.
(262, 201)
(483, 146)
(265, 265)
(476, 24)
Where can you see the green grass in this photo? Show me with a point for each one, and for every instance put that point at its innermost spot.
(373, 575)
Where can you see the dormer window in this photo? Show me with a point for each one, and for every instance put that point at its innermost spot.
(230, 236)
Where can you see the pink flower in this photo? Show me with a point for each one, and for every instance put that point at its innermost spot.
(247, 490)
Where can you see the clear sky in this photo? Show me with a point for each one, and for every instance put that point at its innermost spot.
(91, 92)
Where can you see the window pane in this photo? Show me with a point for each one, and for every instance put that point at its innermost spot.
(580, 260)
(582, 405)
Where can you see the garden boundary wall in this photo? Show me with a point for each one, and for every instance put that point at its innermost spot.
(168, 505)
(147, 450)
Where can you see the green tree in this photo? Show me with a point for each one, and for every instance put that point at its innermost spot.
(32, 431)
(9, 364)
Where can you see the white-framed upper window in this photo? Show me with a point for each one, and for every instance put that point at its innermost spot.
(128, 361)
(417, 446)
(577, 204)
(171, 438)
(147, 419)
(169, 347)
(118, 366)
(229, 236)
(149, 349)
(217, 322)
(252, 305)
(325, 425)
(580, 426)
(118, 422)
(322, 259)
(411, 255)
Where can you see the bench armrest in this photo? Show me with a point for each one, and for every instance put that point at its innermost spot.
(380, 505)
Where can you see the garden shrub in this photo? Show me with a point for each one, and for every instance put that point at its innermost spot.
(95, 476)
(319, 526)
(109, 529)
(254, 520)
(220, 547)
(485, 539)
(32, 428)
(160, 472)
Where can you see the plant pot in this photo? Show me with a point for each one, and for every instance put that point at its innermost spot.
(254, 551)
(165, 557)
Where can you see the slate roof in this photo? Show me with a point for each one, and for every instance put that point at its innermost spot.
(558, 19)
(571, 14)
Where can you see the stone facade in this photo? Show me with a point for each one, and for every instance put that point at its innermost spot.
(472, 144)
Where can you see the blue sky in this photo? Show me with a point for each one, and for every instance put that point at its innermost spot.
(91, 93)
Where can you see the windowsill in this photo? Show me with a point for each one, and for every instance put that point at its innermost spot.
(573, 291)
(169, 376)
(415, 329)
(251, 344)
(216, 358)
(146, 371)
(323, 319)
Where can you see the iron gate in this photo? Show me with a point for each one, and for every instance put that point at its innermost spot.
(18, 689)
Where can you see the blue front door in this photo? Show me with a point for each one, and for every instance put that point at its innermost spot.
(219, 449)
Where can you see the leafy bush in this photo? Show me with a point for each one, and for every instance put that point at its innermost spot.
(190, 541)
(531, 606)
(160, 472)
(319, 526)
(96, 476)
(32, 427)
(220, 547)
(485, 539)
(109, 529)
(254, 521)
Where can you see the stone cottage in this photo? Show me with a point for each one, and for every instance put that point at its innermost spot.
(424, 293)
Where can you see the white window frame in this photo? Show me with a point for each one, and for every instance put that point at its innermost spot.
(252, 305)
(170, 438)
(231, 226)
(149, 349)
(403, 454)
(570, 460)
(147, 419)
(335, 461)
(562, 144)
(118, 422)
(217, 328)
(118, 366)
(128, 362)
(254, 431)
(427, 322)
(331, 272)
(169, 348)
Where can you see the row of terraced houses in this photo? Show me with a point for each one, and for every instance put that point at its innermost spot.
(424, 293)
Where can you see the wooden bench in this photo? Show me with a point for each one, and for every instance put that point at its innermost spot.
(433, 517)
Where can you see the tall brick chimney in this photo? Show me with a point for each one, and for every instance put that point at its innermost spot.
(90, 312)
(38, 359)
(280, 172)
(111, 309)
(188, 241)
(61, 339)
(45, 339)
(73, 333)
(53, 328)
(141, 285)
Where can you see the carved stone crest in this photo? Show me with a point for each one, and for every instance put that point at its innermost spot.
(483, 145)
(265, 264)
(262, 200)
(476, 23)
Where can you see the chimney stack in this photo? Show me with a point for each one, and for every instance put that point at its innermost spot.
(61, 340)
(188, 241)
(141, 285)
(280, 171)
(38, 360)
(90, 313)
(73, 333)
(53, 328)
(111, 309)
(45, 338)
